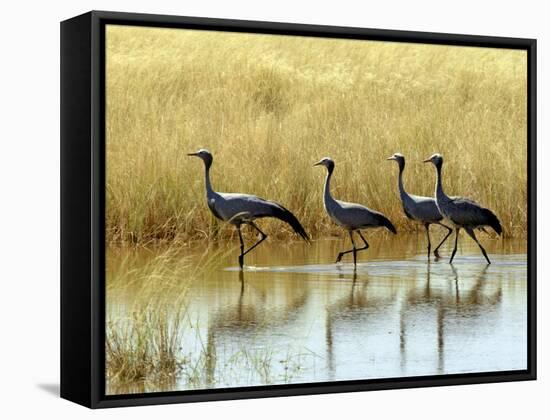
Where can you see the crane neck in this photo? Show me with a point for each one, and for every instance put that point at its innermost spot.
(439, 194)
(207, 183)
(402, 191)
(327, 197)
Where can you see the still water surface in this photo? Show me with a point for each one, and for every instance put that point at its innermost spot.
(293, 316)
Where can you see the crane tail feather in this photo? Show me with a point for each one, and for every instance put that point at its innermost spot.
(286, 215)
(384, 221)
(493, 222)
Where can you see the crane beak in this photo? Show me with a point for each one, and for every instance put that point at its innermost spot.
(391, 158)
(192, 154)
(427, 160)
(318, 163)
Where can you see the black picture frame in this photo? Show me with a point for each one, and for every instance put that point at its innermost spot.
(83, 214)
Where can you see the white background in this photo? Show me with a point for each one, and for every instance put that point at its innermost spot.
(29, 210)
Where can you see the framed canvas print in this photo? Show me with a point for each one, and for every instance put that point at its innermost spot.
(255, 209)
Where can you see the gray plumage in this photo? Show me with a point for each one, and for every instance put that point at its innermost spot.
(462, 212)
(418, 208)
(351, 216)
(239, 209)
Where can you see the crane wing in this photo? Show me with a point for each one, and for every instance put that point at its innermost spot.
(423, 209)
(245, 207)
(466, 212)
(359, 216)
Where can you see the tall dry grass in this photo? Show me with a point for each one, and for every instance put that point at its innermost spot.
(143, 324)
(146, 313)
(268, 107)
(146, 346)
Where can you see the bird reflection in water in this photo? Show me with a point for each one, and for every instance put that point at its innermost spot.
(471, 301)
(361, 305)
(249, 316)
(371, 306)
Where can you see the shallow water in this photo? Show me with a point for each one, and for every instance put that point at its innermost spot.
(293, 316)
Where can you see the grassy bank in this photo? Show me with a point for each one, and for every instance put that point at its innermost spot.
(268, 107)
(143, 326)
(153, 344)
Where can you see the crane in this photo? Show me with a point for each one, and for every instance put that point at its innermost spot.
(351, 216)
(418, 208)
(244, 209)
(462, 212)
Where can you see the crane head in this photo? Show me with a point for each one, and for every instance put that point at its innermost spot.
(436, 159)
(204, 154)
(397, 156)
(327, 163)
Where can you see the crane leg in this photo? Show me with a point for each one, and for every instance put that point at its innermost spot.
(456, 244)
(354, 249)
(473, 236)
(427, 226)
(241, 256)
(342, 253)
(449, 231)
(262, 238)
(243, 252)
(364, 241)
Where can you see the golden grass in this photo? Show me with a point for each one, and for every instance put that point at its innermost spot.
(147, 317)
(146, 314)
(268, 107)
(143, 328)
